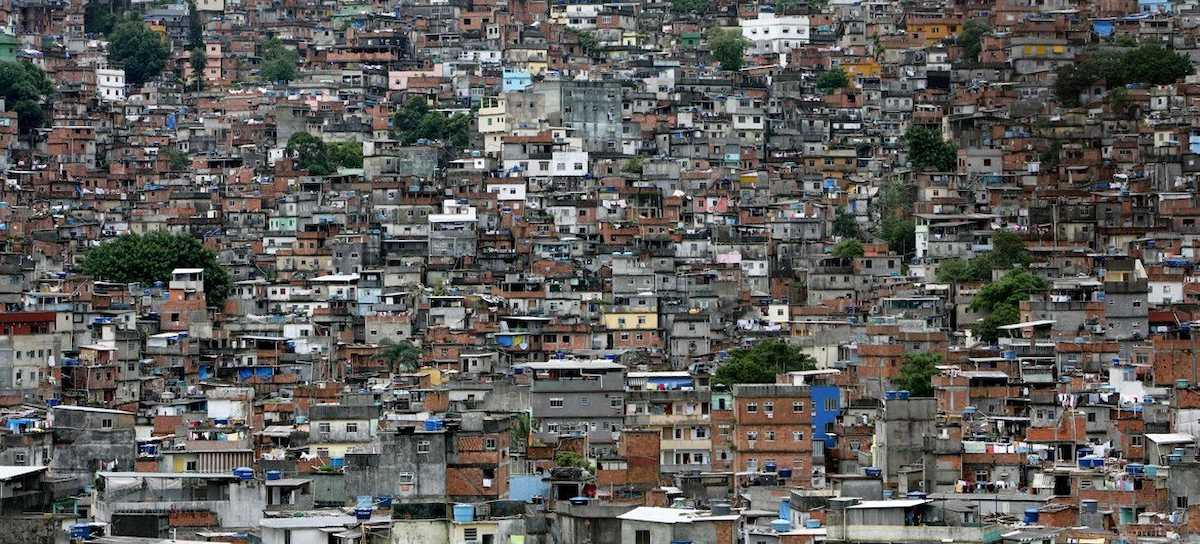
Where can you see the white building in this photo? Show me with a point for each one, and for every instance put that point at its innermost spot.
(773, 34)
(110, 83)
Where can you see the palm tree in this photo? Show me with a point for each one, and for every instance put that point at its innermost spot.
(400, 356)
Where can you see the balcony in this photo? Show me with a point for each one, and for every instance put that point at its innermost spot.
(665, 420)
(686, 444)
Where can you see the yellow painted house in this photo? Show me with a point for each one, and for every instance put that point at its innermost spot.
(642, 321)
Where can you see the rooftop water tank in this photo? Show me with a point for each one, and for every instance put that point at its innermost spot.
(781, 525)
(464, 513)
(244, 473)
(274, 475)
(1031, 516)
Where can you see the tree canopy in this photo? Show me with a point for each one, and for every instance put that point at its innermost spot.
(727, 46)
(1002, 300)
(694, 7)
(322, 159)
(970, 38)
(928, 151)
(278, 61)
(24, 87)
(401, 356)
(1008, 250)
(832, 80)
(917, 372)
(760, 363)
(140, 51)
(848, 249)
(151, 257)
(1150, 64)
(844, 225)
(417, 121)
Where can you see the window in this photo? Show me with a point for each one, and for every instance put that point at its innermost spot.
(323, 427)
(752, 435)
(423, 446)
(1181, 502)
(106, 423)
(1136, 440)
(351, 427)
(323, 453)
(641, 536)
(584, 401)
(797, 407)
(556, 403)
(552, 427)
(768, 407)
(752, 407)
(770, 436)
(489, 443)
(470, 534)
(615, 403)
(798, 436)
(831, 404)
(190, 466)
(19, 458)
(407, 477)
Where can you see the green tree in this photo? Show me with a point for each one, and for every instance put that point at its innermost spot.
(588, 42)
(519, 431)
(962, 270)
(692, 7)
(917, 372)
(1002, 300)
(1150, 64)
(198, 61)
(900, 234)
(848, 249)
(139, 50)
(417, 121)
(727, 46)
(844, 225)
(400, 356)
(310, 154)
(151, 257)
(346, 154)
(927, 150)
(1008, 250)
(832, 80)
(195, 27)
(760, 363)
(633, 166)
(99, 17)
(25, 87)
(971, 39)
(176, 159)
(278, 61)
(572, 459)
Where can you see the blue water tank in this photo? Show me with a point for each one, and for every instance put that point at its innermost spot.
(337, 463)
(1031, 515)
(872, 472)
(433, 424)
(785, 509)
(769, 467)
(1133, 468)
(384, 501)
(362, 514)
(53, 402)
(785, 473)
(244, 473)
(80, 531)
(781, 525)
(918, 495)
(274, 475)
(903, 395)
(890, 395)
(464, 513)
(812, 524)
